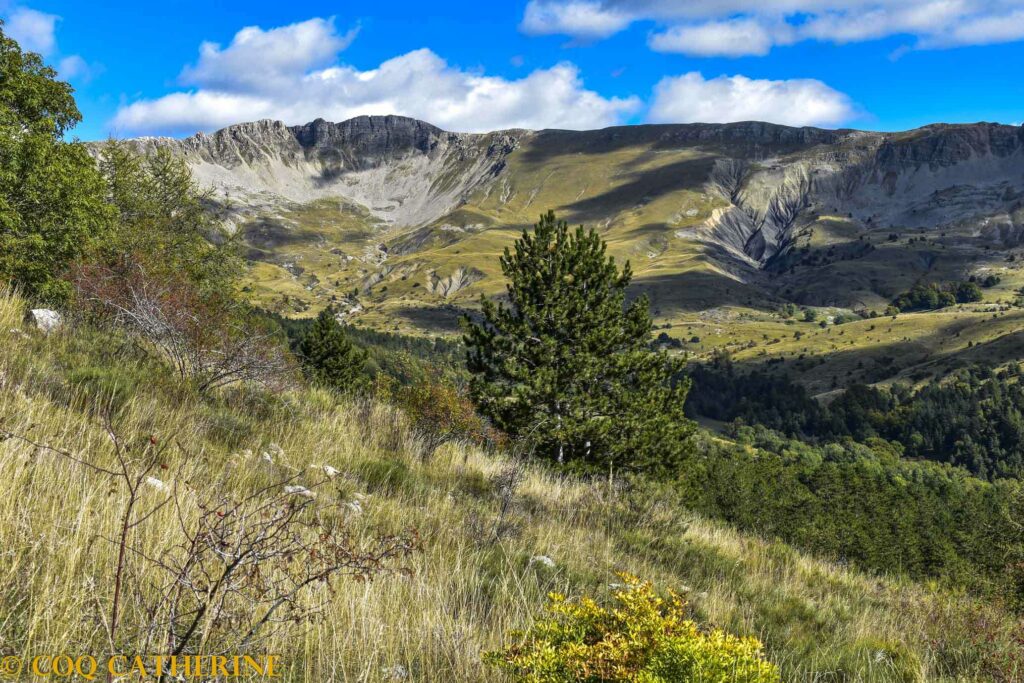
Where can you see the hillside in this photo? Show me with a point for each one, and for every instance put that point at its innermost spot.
(465, 588)
(401, 222)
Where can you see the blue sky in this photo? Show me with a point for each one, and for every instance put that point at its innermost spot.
(180, 66)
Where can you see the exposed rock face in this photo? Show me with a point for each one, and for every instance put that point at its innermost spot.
(368, 142)
(410, 174)
(460, 278)
(404, 171)
(935, 176)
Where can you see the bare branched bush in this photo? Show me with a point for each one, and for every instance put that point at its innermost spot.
(506, 484)
(202, 335)
(239, 571)
(236, 570)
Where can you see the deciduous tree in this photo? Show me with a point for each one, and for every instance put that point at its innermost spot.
(51, 195)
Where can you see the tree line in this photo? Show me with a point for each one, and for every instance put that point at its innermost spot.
(927, 297)
(974, 418)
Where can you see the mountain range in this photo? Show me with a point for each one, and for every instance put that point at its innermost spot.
(400, 223)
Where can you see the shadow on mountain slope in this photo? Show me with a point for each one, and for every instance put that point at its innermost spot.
(695, 290)
(645, 186)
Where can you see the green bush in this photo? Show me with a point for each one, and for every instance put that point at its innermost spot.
(645, 639)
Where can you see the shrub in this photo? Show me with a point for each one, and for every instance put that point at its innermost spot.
(646, 639)
(208, 338)
(439, 412)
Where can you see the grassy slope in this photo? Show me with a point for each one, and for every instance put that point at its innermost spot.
(820, 621)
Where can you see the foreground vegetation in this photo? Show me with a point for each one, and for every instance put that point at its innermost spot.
(183, 473)
(486, 524)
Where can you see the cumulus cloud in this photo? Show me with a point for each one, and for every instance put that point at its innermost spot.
(578, 18)
(691, 98)
(37, 32)
(34, 31)
(292, 74)
(280, 54)
(724, 27)
(732, 38)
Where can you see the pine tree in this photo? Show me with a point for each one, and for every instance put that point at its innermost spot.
(329, 357)
(568, 362)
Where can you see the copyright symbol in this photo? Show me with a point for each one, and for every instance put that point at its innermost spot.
(10, 667)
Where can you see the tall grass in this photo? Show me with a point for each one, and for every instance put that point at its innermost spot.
(466, 591)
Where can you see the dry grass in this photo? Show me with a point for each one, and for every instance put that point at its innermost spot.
(819, 621)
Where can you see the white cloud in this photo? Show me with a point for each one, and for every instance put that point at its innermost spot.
(74, 67)
(37, 32)
(578, 18)
(732, 38)
(987, 30)
(723, 27)
(280, 54)
(799, 102)
(34, 31)
(285, 74)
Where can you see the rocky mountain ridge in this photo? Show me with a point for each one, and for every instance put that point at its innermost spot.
(404, 171)
(751, 213)
(409, 173)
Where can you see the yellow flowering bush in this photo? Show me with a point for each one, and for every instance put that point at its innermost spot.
(645, 639)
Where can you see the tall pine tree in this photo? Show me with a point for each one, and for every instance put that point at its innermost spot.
(328, 356)
(568, 362)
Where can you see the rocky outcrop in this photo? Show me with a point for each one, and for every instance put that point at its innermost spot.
(935, 176)
(369, 141)
(405, 172)
(460, 278)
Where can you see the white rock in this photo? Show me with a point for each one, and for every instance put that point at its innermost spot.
(355, 507)
(299, 491)
(396, 672)
(45, 320)
(156, 483)
(542, 559)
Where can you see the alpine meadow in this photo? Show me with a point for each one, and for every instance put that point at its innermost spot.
(698, 388)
